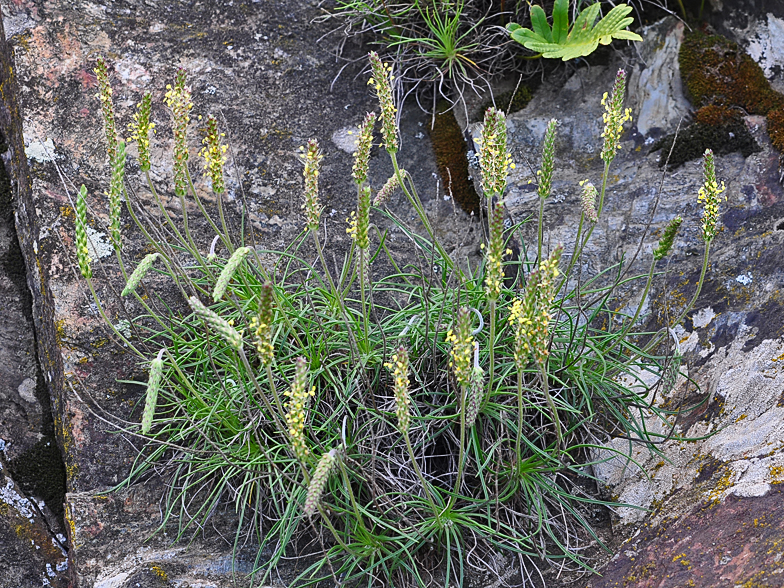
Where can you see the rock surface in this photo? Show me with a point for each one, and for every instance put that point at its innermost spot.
(257, 65)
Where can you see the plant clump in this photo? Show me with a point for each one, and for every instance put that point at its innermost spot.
(387, 426)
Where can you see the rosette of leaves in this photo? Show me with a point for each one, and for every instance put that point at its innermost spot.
(581, 39)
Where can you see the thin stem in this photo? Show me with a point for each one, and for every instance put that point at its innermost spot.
(425, 485)
(553, 410)
(491, 344)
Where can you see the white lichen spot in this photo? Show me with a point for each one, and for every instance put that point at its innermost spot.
(39, 151)
(744, 279)
(98, 244)
(27, 390)
(703, 318)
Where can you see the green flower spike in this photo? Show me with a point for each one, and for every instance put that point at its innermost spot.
(115, 195)
(494, 272)
(388, 189)
(138, 274)
(299, 398)
(362, 155)
(153, 387)
(228, 272)
(312, 160)
(224, 329)
(261, 325)
(399, 367)
(82, 250)
(178, 99)
(494, 160)
(319, 482)
(548, 160)
(381, 81)
(710, 196)
(140, 130)
(665, 243)
(614, 117)
(107, 108)
(462, 347)
(214, 155)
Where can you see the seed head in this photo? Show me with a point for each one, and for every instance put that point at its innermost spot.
(588, 201)
(261, 325)
(362, 155)
(116, 186)
(388, 189)
(475, 396)
(140, 130)
(319, 482)
(82, 251)
(107, 108)
(530, 317)
(153, 387)
(214, 155)
(312, 160)
(614, 117)
(381, 81)
(494, 273)
(494, 160)
(299, 399)
(178, 99)
(228, 272)
(224, 329)
(138, 274)
(665, 243)
(462, 347)
(545, 173)
(710, 196)
(399, 368)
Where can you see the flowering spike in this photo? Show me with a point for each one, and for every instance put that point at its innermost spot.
(382, 82)
(614, 117)
(214, 155)
(588, 201)
(228, 271)
(319, 482)
(138, 274)
(312, 160)
(388, 189)
(261, 325)
(82, 251)
(178, 99)
(140, 130)
(107, 108)
(665, 243)
(153, 387)
(710, 195)
(399, 367)
(116, 186)
(462, 347)
(475, 396)
(362, 155)
(494, 160)
(548, 160)
(224, 329)
(494, 273)
(299, 398)
(530, 317)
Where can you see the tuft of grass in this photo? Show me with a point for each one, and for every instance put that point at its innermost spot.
(387, 425)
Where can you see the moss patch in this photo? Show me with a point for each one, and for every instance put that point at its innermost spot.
(723, 82)
(450, 151)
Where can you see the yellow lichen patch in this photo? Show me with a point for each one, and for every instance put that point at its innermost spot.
(161, 573)
(776, 474)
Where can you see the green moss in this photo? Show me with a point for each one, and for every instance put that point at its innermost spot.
(722, 80)
(695, 139)
(509, 102)
(450, 151)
